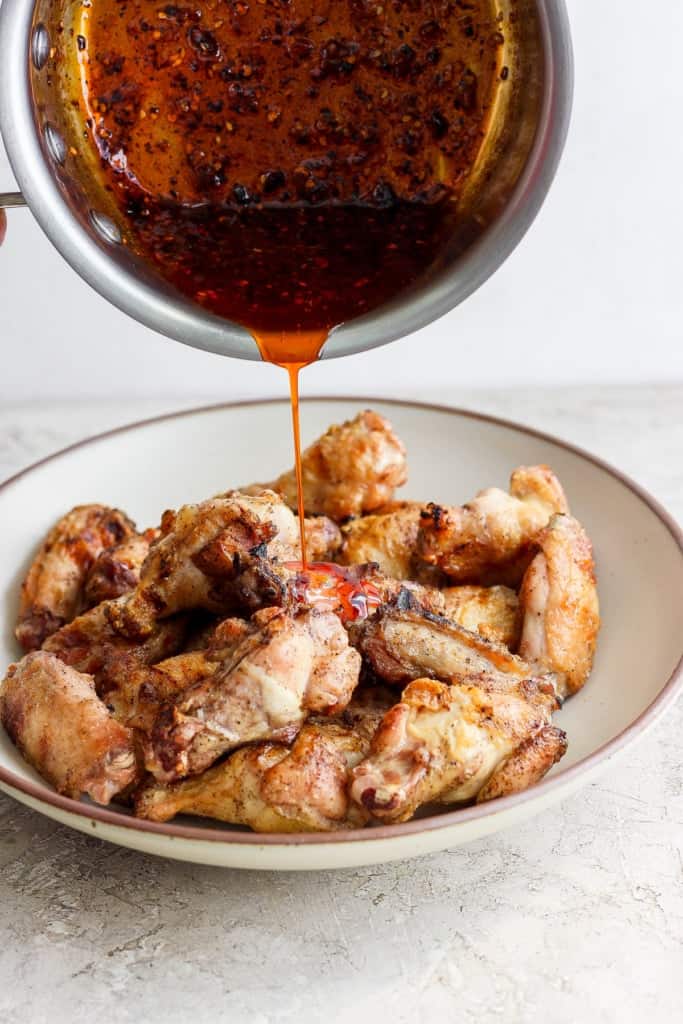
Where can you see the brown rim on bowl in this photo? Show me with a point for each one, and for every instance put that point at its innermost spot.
(668, 693)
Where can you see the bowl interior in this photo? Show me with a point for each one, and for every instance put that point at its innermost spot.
(180, 459)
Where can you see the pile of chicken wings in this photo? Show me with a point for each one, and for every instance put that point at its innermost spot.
(185, 669)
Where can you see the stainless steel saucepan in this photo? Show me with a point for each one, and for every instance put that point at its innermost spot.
(61, 184)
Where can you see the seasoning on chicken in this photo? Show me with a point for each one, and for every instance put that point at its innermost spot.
(353, 468)
(493, 612)
(52, 593)
(404, 641)
(93, 644)
(491, 539)
(387, 538)
(447, 744)
(286, 667)
(559, 603)
(201, 553)
(271, 787)
(116, 570)
(53, 715)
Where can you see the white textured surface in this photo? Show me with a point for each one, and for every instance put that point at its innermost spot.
(573, 918)
(592, 293)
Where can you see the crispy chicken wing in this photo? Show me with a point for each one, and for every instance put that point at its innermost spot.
(116, 570)
(270, 787)
(491, 539)
(285, 667)
(559, 602)
(403, 641)
(491, 611)
(446, 743)
(52, 593)
(63, 729)
(201, 555)
(353, 468)
(388, 538)
(92, 644)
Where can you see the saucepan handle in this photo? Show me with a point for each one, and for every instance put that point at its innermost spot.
(8, 199)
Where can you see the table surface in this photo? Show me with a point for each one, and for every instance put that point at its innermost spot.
(576, 916)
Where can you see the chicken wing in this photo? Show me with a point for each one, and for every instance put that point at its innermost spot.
(491, 539)
(403, 641)
(493, 612)
(270, 787)
(353, 468)
(285, 667)
(52, 593)
(445, 743)
(92, 643)
(116, 570)
(53, 715)
(388, 538)
(559, 604)
(201, 554)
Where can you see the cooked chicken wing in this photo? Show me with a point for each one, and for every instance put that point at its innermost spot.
(388, 538)
(559, 603)
(201, 554)
(52, 593)
(135, 692)
(63, 729)
(403, 642)
(271, 787)
(285, 667)
(491, 539)
(492, 612)
(92, 643)
(353, 468)
(446, 743)
(116, 570)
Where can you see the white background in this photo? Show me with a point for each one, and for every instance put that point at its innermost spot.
(593, 293)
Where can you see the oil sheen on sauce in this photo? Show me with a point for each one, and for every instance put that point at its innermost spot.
(288, 164)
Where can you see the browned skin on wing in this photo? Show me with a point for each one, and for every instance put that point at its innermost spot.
(353, 468)
(116, 570)
(493, 612)
(92, 643)
(135, 692)
(52, 593)
(491, 540)
(389, 539)
(323, 539)
(445, 742)
(404, 642)
(199, 558)
(270, 787)
(53, 715)
(527, 765)
(286, 667)
(559, 603)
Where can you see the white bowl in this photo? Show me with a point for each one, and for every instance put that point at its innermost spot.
(162, 463)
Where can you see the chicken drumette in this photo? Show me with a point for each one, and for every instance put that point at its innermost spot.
(52, 593)
(454, 743)
(491, 539)
(286, 667)
(353, 468)
(53, 715)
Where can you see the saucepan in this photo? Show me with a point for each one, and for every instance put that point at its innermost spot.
(62, 185)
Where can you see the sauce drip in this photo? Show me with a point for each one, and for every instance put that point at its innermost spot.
(334, 588)
(293, 351)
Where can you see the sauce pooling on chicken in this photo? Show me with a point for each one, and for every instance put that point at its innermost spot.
(289, 165)
(335, 588)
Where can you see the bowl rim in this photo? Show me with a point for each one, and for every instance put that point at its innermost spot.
(666, 696)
